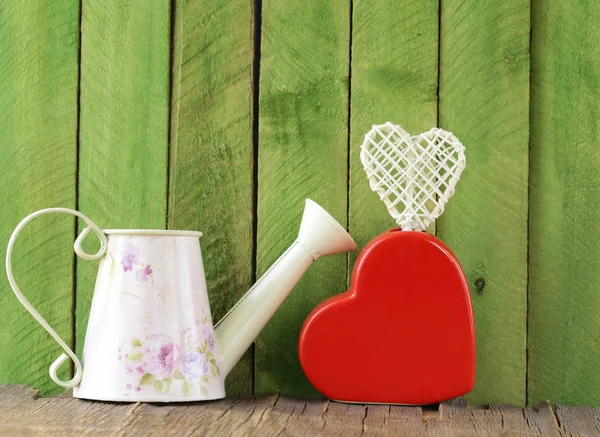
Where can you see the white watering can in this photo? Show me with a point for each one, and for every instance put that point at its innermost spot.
(150, 336)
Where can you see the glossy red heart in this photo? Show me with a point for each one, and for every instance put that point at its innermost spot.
(402, 334)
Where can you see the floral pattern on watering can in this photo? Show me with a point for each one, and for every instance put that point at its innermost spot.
(151, 296)
(184, 358)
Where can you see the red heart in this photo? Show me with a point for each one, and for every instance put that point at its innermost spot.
(402, 334)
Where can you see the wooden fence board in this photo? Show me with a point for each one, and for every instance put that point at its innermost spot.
(394, 78)
(564, 296)
(38, 161)
(303, 133)
(123, 123)
(211, 165)
(484, 100)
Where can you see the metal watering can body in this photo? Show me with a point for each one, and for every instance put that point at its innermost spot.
(150, 335)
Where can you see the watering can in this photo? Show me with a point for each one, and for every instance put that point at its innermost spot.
(150, 336)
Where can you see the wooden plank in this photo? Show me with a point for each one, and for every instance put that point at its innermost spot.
(245, 415)
(307, 417)
(346, 419)
(578, 421)
(38, 161)
(27, 414)
(395, 420)
(302, 153)
(459, 419)
(541, 420)
(211, 186)
(23, 413)
(564, 292)
(123, 123)
(394, 78)
(484, 100)
(177, 419)
(535, 420)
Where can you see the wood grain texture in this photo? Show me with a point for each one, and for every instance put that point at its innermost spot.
(303, 130)
(394, 78)
(459, 419)
(564, 292)
(38, 161)
(484, 100)
(22, 412)
(211, 163)
(578, 421)
(123, 123)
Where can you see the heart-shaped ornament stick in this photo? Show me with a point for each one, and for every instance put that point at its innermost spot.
(413, 175)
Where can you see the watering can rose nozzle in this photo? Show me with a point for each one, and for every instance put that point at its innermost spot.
(320, 234)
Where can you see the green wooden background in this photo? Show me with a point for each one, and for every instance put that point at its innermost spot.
(224, 115)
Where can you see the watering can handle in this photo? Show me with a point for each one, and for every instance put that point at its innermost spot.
(79, 251)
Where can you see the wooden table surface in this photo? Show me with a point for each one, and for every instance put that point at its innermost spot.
(24, 413)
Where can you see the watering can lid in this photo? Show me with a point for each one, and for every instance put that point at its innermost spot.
(156, 232)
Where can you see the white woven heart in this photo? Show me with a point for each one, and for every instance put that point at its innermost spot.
(419, 172)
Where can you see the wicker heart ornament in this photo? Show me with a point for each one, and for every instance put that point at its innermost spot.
(417, 172)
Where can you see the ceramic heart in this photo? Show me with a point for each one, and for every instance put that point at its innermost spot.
(402, 334)
(413, 175)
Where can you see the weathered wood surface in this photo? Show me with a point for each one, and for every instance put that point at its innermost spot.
(564, 292)
(484, 100)
(24, 413)
(38, 169)
(211, 154)
(123, 127)
(394, 78)
(303, 136)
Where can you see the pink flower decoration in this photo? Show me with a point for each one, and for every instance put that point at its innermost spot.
(143, 274)
(138, 388)
(131, 257)
(161, 356)
(134, 370)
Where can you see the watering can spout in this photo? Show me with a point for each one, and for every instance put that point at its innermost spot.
(320, 234)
